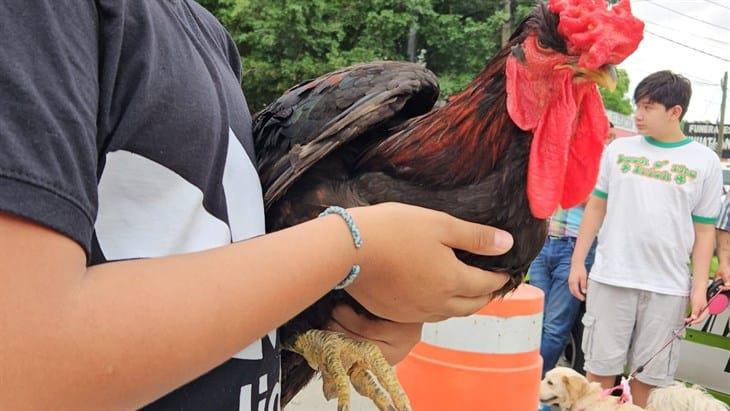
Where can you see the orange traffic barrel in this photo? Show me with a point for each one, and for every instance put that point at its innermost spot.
(487, 361)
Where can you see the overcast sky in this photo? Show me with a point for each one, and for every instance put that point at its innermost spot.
(705, 72)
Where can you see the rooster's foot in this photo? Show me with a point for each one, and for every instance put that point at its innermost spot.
(337, 356)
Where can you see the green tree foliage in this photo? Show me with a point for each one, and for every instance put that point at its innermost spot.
(284, 42)
(616, 100)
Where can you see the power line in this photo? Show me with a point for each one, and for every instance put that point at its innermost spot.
(687, 16)
(696, 81)
(717, 4)
(686, 32)
(702, 82)
(687, 46)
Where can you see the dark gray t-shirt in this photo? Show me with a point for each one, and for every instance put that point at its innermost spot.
(123, 126)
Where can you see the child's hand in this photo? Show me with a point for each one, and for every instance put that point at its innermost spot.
(698, 301)
(578, 280)
(410, 273)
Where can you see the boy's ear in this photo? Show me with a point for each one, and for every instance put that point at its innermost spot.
(675, 112)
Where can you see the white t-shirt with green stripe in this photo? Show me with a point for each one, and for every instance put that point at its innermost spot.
(655, 191)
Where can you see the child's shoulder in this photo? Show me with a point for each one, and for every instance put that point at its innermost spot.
(701, 149)
(626, 141)
(702, 153)
(623, 143)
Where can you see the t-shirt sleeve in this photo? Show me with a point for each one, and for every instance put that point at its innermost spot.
(49, 87)
(601, 189)
(707, 208)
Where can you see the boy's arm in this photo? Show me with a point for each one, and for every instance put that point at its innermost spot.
(593, 217)
(701, 258)
(595, 210)
(704, 215)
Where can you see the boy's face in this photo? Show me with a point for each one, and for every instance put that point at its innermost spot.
(654, 119)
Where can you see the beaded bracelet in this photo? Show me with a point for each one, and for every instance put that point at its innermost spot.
(352, 275)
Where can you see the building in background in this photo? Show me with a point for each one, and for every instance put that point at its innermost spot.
(707, 134)
(623, 124)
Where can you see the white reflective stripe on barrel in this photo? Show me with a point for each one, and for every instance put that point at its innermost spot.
(486, 334)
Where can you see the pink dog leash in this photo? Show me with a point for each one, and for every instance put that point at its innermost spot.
(676, 334)
(625, 397)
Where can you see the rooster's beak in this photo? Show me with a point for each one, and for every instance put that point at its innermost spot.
(605, 76)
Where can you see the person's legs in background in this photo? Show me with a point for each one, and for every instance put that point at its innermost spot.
(658, 318)
(608, 323)
(561, 308)
(541, 278)
(540, 269)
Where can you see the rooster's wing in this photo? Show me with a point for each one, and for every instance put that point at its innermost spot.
(314, 118)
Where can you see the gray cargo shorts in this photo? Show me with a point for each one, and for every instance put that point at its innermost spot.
(627, 326)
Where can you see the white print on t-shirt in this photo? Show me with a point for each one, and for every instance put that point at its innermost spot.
(273, 399)
(147, 210)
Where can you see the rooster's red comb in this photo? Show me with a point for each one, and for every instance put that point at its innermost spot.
(600, 35)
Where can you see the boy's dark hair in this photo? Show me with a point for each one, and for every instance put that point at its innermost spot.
(666, 88)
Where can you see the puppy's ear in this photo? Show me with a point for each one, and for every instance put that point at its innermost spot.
(576, 386)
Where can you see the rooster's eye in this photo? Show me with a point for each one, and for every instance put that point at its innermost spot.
(542, 47)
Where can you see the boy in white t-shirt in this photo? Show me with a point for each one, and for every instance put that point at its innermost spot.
(655, 203)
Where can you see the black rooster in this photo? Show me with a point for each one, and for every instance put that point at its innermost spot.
(525, 136)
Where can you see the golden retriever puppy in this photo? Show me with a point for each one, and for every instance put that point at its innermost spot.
(571, 391)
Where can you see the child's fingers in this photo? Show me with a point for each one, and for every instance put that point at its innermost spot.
(701, 316)
(575, 290)
(478, 239)
(475, 282)
(697, 316)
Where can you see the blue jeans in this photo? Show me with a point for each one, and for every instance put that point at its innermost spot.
(550, 272)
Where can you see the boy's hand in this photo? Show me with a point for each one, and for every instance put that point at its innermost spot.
(723, 273)
(578, 280)
(698, 301)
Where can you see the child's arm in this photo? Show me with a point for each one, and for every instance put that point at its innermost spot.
(118, 335)
(593, 217)
(704, 216)
(701, 258)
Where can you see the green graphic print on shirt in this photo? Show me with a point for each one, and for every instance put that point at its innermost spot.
(677, 173)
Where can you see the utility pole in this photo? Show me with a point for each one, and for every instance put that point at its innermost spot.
(412, 33)
(721, 126)
(507, 26)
